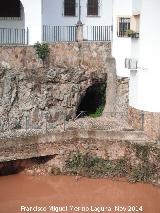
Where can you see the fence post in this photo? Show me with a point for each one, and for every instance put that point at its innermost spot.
(142, 120)
(79, 32)
(64, 121)
(27, 36)
(46, 122)
(26, 119)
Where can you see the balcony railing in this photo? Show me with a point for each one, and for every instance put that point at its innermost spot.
(68, 33)
(59, 33)
(11, 36)
(99, 33)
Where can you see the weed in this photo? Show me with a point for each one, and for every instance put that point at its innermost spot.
(42, 50)
(87, 165)
(142, 151)
(143, 173)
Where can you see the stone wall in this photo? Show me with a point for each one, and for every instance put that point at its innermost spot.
(122, 100)
(147, 121)
(120, 151)
(88, 55)
(61, 143)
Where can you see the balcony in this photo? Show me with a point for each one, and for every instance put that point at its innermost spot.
(128, 26)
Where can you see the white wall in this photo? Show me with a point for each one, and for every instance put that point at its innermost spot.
(133, 87)
(148, 74)
(136, 6)
(121, 47)
(53, 14)
(33, 19)
(135, 45)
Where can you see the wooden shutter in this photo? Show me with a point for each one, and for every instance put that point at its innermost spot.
(92, 7)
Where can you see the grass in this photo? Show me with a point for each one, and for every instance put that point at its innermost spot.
(97, 113)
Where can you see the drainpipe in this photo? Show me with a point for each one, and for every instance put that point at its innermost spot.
(79, 14)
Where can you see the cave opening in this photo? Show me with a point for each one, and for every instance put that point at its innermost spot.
(93, 101)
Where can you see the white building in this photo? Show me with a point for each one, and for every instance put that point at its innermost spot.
(142, 46)
(38, 13)
(145, 84)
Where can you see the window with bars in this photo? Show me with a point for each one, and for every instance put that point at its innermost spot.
(123, 26)
(93, 8)
(69, 7)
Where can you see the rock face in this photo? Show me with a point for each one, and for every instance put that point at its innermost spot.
(33, 95)
(30, 97)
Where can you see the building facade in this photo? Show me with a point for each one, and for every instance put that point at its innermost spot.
(135, 47)
(136, 34)
(34, 15)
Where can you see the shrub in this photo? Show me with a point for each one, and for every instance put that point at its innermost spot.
(42, 50)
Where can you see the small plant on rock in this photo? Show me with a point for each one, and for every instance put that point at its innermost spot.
(42, 50)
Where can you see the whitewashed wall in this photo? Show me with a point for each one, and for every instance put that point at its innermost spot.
(121, 47)
(33, 19)
(53, 14)
(148, 74)
(136, 6)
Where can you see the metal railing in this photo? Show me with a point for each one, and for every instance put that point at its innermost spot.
(26, 124)
(14, 36)
(123, 26)
(59, 33)
(99, 33)
(84, 120)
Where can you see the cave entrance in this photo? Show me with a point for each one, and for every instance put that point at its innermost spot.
(93, 101)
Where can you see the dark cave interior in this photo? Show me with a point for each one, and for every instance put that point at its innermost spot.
(94, 98)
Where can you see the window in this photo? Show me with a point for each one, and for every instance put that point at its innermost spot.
(93, 7)
(123, 26)
(10, 8)
(69, 7)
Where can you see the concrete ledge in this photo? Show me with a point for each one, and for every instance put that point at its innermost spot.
(57, 143)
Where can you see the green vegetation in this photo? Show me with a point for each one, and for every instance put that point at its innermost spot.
(42, 50)
(17, 125)
(101, 94)
(87, 165)
(98, 112)
(143, 170)
(142, 151)
(130, 33)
